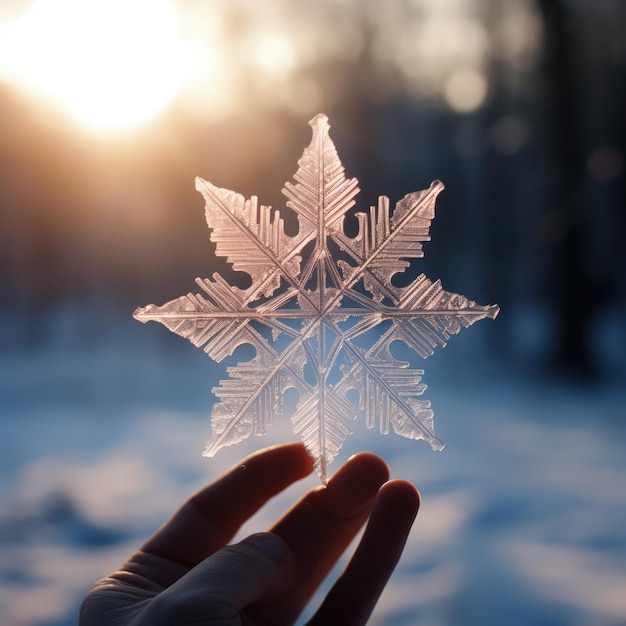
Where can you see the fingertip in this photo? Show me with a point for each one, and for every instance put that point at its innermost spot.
(369, 459)
(401, 493)
(293, 455)
(367, 465)
(354, 487)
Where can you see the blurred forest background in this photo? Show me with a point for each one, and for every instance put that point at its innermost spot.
(110, 109)
(516, 105)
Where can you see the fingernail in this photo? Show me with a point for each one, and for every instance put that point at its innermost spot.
(270, 544)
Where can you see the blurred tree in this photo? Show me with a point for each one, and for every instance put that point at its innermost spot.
(575, 297)
(580, 84)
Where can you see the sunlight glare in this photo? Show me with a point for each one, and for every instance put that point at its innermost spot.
(274, 54)
(111, 65)
(208, 90)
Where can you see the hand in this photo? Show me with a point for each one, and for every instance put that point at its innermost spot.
(187, 574)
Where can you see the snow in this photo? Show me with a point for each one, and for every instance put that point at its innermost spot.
(522, 518)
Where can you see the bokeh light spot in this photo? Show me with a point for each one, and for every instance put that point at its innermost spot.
(274, 54)
(509, 134)
(605, 163)
(465, 90)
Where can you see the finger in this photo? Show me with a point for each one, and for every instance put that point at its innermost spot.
(210, 518)
(220, 588)
(319, 528)
(354, 595)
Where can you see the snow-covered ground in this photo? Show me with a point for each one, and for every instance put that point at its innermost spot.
(523, 518)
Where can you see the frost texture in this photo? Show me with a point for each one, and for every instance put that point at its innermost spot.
(313, 308)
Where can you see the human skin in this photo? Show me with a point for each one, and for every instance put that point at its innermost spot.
(186, 573)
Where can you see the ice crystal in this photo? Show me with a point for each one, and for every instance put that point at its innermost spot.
(321, 311)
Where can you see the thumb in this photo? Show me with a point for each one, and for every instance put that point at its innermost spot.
(219, 588)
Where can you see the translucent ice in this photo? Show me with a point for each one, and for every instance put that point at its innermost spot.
(321, 312)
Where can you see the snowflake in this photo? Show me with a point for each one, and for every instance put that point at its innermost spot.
(321, 311)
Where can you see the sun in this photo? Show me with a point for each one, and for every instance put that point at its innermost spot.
(111, 65)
